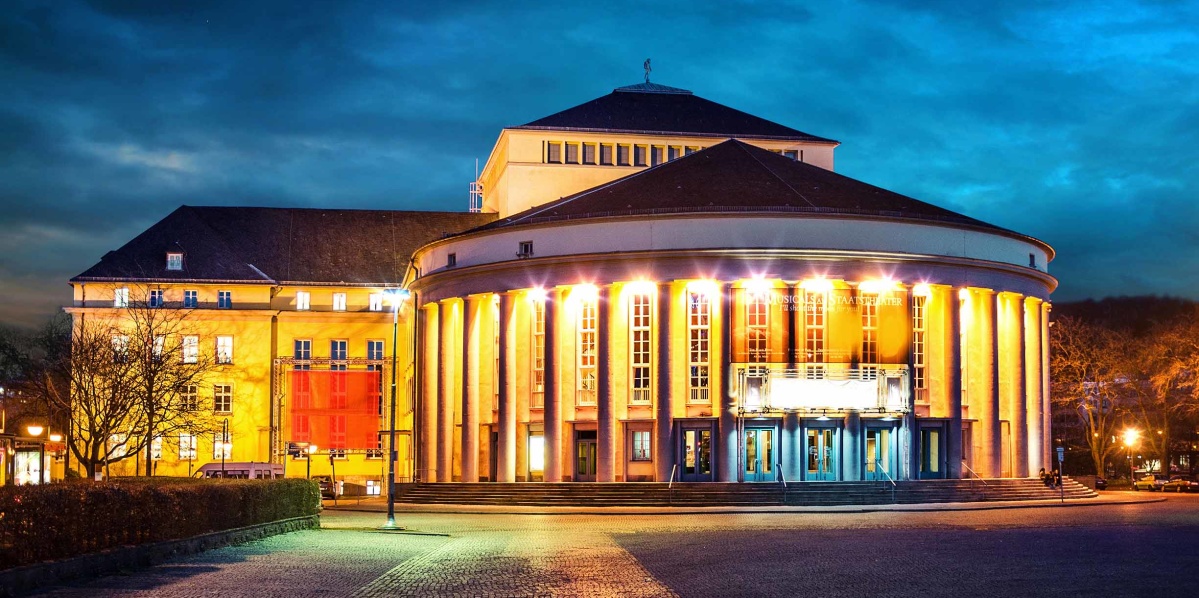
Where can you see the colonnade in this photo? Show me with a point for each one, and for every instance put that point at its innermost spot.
(986, 356)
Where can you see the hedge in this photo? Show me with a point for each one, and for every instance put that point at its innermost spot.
(41, 523)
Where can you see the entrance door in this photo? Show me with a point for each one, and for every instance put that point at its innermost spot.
(822, 454)
(759, 455)
(880, 455)
(697, 456)
(931, 466)
(586, 452)
(493, 458)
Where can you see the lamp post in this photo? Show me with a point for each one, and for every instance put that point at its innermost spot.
(398, 296)
(1130, 438)
(35, 431)
(311, 450)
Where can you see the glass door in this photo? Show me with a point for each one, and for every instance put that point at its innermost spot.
(586, 452)
(759, 455)
(931, 454)
(696, 465)
(822, 454)
(880, 454)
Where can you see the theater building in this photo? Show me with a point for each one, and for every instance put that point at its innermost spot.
(650, 286)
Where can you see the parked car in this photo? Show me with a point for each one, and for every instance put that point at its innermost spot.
(1181, 483)
(1149, 481)
(1100, 483)
(328, 486)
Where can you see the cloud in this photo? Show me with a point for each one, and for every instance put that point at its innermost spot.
(1073, 122)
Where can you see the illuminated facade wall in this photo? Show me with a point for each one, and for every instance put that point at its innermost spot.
(786, 361)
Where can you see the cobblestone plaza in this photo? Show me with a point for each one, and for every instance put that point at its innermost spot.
(1102, 549)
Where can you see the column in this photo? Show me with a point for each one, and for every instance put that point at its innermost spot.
(953, 436)
(727, 440)
(1032, 381)
(471, 308)
(791, 448)
(445, 390)
(664, 416)
(1019, 389)
(427, 330)
(552, 413)
(506, 447)
(990, 442)
(851, 447)
(605, 413)
(794, 312)
(1046, 414)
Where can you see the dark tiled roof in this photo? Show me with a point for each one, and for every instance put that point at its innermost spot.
(281, 245)
(653, 108)
(734, 176)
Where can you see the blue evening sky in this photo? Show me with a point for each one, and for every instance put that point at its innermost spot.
(1074, 122)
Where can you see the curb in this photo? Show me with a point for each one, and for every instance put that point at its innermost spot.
(904, 508)
(27, 578)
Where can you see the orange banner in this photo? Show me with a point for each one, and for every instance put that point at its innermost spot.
(335, 409)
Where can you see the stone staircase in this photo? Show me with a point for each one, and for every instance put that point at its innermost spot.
(658, 494)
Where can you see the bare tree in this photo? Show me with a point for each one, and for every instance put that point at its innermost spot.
(1088, 369)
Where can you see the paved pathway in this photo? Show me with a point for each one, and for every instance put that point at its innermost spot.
(1110, 550)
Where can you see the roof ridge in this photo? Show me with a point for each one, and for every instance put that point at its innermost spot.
(745, 148)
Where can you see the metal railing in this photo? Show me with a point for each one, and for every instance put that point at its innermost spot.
(670, 485)
(783, 480)
(878, 466)
(975, 474)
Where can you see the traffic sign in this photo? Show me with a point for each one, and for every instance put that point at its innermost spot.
(1061, 454)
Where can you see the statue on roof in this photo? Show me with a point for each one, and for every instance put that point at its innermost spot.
(647, 69)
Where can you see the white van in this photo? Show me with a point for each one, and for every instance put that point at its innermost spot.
(241, 470)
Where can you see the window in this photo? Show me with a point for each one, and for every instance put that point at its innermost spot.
(374, 352)
(376, 302)
(572, 153)
(526, 249)
(222, 448)
(869, 307)
(586, 352)
(451, 260)
(690, 150)
(120, 348)
(919, 373)
(120, 297)
(639, 348)
(622, 155)
(656, 155)
(224, 299)
(641, 445)
(1032, 260)
(303, 300)
(174, 261)
(222, 398)
(589, 153)
(553, 152)
(156, 448)
(793, 154)
(757, 337)
(189, 398)
(815, 332)
(187, 447)
(337, 437)
(190, 299)
(605, 154)
(224, 349)
(156, 298)
(538, 360)
(339, 301)
(673, 152)
(302, 352)
(699, 326)
(191, 349)
(160, 343)
(337, 354)
(639, 155)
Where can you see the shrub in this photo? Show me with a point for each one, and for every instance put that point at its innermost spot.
(40, 523)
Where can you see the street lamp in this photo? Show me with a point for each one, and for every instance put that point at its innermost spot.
(1131, 436)
(311, 450)
(35, 431)
(397, 298)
